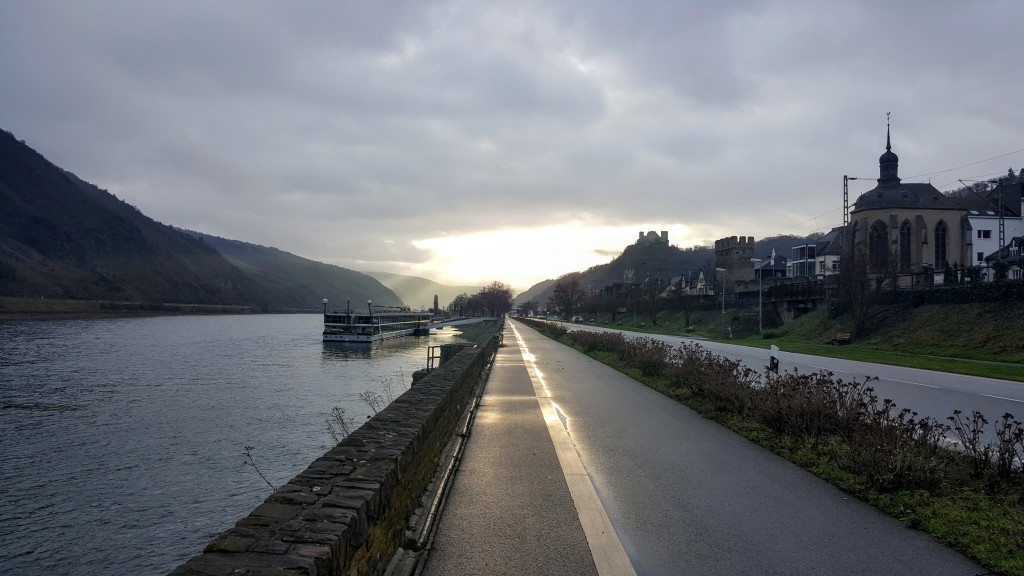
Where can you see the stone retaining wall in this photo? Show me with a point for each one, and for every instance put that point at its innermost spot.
(346, 513)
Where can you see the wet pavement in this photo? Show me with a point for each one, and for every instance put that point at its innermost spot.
(683, 494)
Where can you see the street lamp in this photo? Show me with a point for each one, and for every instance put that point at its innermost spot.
(760, 272)
(722, 270)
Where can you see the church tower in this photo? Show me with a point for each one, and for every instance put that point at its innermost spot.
(888, 162)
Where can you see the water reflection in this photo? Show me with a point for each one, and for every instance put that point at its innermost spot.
(364, 350)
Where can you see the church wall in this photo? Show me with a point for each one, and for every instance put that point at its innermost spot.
(923, 223)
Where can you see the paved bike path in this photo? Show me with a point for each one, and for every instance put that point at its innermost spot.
(685, 495)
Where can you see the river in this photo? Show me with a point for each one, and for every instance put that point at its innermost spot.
(121, 440)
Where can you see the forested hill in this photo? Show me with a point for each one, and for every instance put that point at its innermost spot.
(65, 238)
(658, 260)
(61, 237)
(294, 282)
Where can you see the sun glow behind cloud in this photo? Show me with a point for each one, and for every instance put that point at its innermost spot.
(522, 257)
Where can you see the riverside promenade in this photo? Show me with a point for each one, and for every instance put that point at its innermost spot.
(574, 468)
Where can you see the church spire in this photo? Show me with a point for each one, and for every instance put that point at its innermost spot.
(888, 162)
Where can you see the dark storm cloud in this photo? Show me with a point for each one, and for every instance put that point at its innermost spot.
(344, 132)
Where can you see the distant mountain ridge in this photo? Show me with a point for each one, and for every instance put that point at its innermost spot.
(416, 291)
(295, 282)
(61, 237)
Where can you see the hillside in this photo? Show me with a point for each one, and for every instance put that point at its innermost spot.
(657, 260)
(533, 293)
(62, 237)
(416, 291)
(292, 281)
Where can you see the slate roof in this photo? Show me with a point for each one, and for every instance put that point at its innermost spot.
(830, 244)
(1011, 202)
(912, 196)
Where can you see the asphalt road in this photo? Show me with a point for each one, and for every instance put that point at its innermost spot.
(929, 393)
(687, 496)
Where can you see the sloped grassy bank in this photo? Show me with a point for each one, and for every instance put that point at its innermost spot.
(972, 500)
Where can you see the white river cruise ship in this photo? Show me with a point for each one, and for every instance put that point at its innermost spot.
(373, 324)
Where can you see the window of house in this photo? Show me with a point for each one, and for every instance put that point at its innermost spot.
(835, 266)
(984, 233)
(905, 249)
(940, 245)
(1015, 274)
(981, 256)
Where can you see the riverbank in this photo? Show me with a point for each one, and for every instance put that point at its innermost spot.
(39, 308)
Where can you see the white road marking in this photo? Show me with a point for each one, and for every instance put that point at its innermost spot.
(606, 548)
(1002, 398)
(854, 374)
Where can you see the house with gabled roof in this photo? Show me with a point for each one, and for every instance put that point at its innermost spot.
(1012, 255)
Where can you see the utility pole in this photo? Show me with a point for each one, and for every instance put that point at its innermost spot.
(760, 272)
(722, 270)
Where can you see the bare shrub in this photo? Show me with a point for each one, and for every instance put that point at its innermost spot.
(895, 450)
(250, 461)
(389, 387)
(969, 432)
(599, 341)
(1009, 447)
(811, 404)
(338, 425)
(647, 354)
(726, 383)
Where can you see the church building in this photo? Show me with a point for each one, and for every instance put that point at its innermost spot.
(909, 228)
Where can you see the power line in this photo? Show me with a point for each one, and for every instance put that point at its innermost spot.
(966, 165)
(984, 178)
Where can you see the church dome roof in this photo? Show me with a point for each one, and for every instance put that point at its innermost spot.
(913, 196)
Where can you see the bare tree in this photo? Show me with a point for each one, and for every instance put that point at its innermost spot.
(568, 294)
(859, 288)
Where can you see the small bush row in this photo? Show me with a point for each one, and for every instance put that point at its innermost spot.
(890, 448)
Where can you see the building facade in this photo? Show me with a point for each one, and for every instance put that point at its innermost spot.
(906, 228)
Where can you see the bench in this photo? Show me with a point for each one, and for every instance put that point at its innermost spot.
(841, 338)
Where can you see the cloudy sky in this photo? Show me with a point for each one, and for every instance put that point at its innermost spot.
(467, 141)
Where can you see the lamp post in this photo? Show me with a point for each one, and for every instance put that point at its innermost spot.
(757, 262)
(722, 270)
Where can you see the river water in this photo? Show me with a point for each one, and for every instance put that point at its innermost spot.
(121, 440)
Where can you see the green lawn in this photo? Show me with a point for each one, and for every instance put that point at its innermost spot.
(972, 339)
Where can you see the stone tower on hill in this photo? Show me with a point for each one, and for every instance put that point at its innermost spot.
(734, 255)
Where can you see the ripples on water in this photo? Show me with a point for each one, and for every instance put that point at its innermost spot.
(121, 440)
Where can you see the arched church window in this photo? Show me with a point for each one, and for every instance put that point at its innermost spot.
(906, 232)
(878, 247)
(941, 256)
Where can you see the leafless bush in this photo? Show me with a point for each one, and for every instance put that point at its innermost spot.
(250, 461)
(647, 354)
(390, 388)
(599, 341)
(727, 384)
(970, 434)
(895, 450)
(811, 404)
(1009, 447)
(338, 425)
